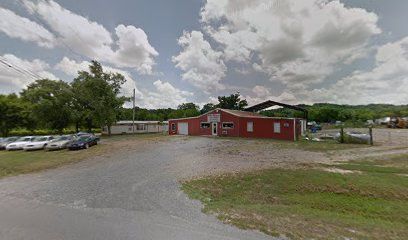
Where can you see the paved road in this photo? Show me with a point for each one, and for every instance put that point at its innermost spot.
(130, 195)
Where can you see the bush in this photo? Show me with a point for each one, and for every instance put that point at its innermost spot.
(39, 132)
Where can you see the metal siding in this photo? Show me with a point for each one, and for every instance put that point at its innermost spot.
(263, 127)
(182, 128)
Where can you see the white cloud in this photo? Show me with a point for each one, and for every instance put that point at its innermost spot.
(23, 28)
(261, 91)
(71, 67)
(134, 49)
(165, 96)
(15, 80)
(89, 38)
(202, 65)
(295, 42)
(387, 82)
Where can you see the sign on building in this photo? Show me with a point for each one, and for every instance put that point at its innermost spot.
(213, 118)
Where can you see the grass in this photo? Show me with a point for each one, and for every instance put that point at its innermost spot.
(20, 162)
(312, 203)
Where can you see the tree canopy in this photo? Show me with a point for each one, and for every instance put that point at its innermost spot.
(232, 101)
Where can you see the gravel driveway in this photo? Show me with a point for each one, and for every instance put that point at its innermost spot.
(129, 194)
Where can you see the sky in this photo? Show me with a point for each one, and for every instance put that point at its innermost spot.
(297, 52)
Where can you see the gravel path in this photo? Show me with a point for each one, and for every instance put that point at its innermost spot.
(132, 194)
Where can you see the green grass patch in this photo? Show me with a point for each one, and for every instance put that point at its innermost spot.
(18, 162)
(312, 203)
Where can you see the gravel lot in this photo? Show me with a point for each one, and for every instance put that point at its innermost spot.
(129, 194)
(134, 192)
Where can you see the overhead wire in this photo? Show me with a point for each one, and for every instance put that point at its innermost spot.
(28, 72)
(20, 70)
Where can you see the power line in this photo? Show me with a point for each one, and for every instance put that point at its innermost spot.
(20, 69)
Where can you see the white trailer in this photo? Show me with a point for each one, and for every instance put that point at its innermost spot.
(126, 127)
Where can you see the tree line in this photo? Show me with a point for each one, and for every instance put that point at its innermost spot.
(90, 100)
(183, 110)
(93, 100)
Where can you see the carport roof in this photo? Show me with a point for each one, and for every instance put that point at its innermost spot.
(270, 103)
(241, 113)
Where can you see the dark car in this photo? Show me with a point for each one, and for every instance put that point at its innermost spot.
(83, 142)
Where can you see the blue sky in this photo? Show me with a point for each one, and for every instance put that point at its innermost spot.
(352, 52)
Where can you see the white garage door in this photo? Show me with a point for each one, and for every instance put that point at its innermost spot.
(183, 128)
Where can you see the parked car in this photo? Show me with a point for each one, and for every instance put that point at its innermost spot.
(83, 142)
(60, 142)
(314, 126)
(38, 143)
(5, 141)
(19, 143)
(78, 134)
(86, 134)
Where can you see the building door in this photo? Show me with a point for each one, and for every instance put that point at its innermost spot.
(214, 129)
(183, 128)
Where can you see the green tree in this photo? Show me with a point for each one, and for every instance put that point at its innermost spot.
(187, 106)
(232, 102)
(97, 93)
(207, 107)
(11, 109)
(51, 103)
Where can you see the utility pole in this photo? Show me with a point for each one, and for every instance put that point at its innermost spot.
(133, 119)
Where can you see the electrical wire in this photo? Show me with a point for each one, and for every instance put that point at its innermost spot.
(20, 70)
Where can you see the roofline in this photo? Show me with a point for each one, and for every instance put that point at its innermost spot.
(195, 116)
(273, 103)
(236, 115)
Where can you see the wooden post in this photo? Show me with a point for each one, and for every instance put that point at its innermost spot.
(341, 134)
(133, 113)
(370, 130)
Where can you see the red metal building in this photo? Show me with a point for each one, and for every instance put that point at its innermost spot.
(226, 122)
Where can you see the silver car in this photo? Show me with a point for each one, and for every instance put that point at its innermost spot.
(38, 143)
(19, 143)
(5, 141)
(60, 142)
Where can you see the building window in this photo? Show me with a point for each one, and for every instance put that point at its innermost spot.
(227, 125)
(250, 126)
(140, 126)
(173, 127)
(277, 127)
(205, 125)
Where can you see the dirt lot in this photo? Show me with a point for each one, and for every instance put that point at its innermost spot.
(221, 155)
